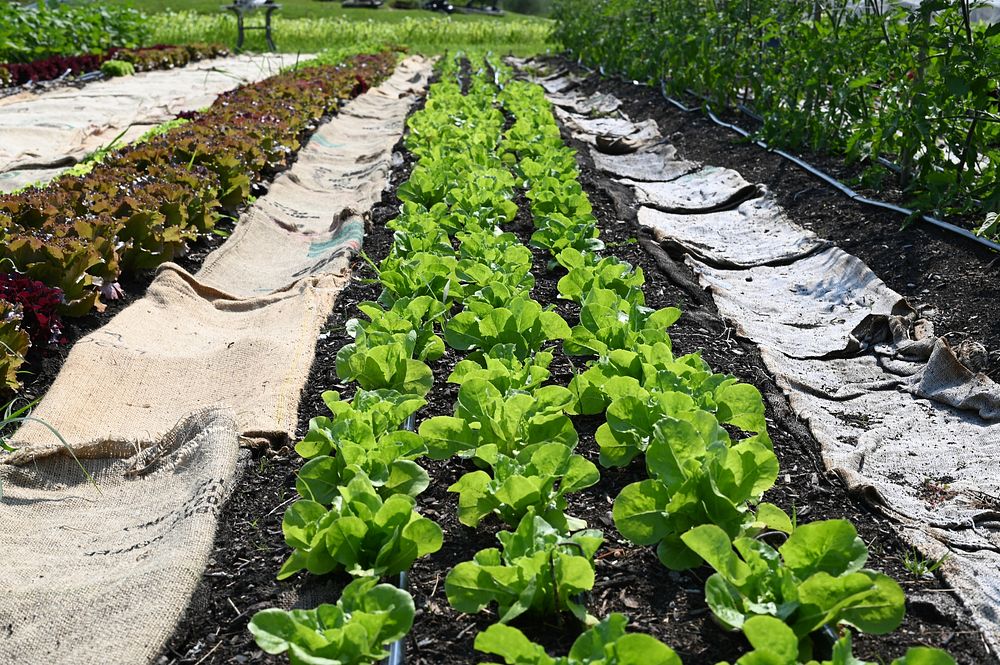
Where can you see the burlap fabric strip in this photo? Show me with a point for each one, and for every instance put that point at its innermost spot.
(42, 134)
(156, 403)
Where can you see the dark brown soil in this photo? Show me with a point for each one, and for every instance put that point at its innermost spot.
(249, 547)
(955, 277)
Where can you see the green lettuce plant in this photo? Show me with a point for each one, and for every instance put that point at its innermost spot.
(537, 479)
(587, 271)
(509, 422)
(367, 617)
(406, 314)
(697, 477)
(360, 533)
(539, 570)
(607, 643)
(609, 322)
(521, 328)
(816, 578)
(774, 643)
(388, 366)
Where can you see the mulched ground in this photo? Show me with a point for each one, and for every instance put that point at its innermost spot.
(250, 548)
(953, 277)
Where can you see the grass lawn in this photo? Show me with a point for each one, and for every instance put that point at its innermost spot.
(314, 9)
(310, 26)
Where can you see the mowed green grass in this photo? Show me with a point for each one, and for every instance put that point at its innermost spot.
(309, 26)
(310, 9)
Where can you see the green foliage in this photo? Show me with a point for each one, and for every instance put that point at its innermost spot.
(370, 414)
(537, 480)
(508, 422)
(697, 477)
(14, 343)
(774, 643)
(507, 374)
(918, 87)
(518, 329)
(356, 630)
(609, 322)
(81, 231)
(386, 366)
(635, 389)
(359, 533)
(115, 68)
(539, 571)
(37, 30)
(816, 578)
(607, 643)
(405, 316)
(363, 435)
(587, 271)
(427, 33)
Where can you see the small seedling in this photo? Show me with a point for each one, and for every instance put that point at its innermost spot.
(920, 566)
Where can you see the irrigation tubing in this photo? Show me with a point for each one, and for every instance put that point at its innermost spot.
(397, 650)
(829, 179)
(822, 175)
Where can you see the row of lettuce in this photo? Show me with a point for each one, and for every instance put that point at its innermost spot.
(865, 80)
(455, 279)
(65, 245)
(115, 61)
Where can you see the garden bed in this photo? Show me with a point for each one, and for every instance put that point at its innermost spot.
(668, 605)
(954, 277)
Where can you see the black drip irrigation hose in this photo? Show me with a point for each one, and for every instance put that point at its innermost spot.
(397, 650)
(822, 175)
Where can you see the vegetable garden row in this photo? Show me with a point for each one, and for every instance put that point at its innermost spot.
(42, 42)
(70, 241)
(458, 281)
(113, 62)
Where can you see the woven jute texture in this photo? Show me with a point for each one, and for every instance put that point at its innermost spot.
(39, 133)
(100, 576)
(898, 413)
(156, 403)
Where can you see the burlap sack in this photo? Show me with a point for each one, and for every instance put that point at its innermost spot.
(818, 306)
(896, 414)
(597, 104)
(99, 577)
(310, 221)
(768, 236)
(708, 189)
(103, 577)
(184, 347)
(658, 163)
(59, 127)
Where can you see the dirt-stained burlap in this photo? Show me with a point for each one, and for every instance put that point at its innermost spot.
(183, 347)
(102, 577)
(769, 237)
(595, 105)
(657, 163)
(57, 128)
(708, 189)
(98, 577)
(897, 413)
(310, 220)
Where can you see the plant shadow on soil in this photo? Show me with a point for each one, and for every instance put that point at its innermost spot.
(249, 546)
